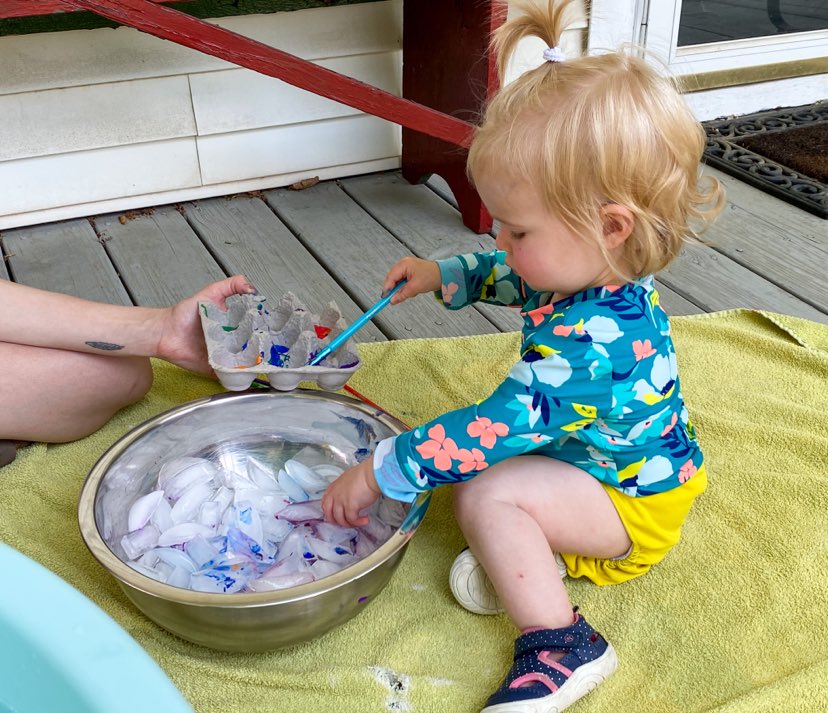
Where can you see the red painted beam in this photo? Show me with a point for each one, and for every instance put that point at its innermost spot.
(182, 29)
(30, 8)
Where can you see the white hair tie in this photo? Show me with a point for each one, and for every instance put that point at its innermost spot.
(554, 54)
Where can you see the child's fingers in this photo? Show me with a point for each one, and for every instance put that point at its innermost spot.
(343, 514)
(420, 276)
(409, 289)
(337, 515)
(399, 271)
(326, 506)
(332, 510)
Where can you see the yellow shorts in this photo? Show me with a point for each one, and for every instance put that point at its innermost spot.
(653, 523)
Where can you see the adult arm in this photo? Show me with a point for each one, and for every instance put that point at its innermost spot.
(40, 318)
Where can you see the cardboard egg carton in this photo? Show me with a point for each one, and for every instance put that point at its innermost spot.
(275, 342)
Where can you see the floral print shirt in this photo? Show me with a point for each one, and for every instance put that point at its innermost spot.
(596, 386)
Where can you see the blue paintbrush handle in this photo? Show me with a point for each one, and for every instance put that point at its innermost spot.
(347, 333)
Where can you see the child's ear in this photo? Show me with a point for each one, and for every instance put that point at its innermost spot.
(618, 222)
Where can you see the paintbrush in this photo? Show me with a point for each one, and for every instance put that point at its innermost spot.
(345, 334)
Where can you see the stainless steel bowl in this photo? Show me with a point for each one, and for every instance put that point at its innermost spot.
(235, 424)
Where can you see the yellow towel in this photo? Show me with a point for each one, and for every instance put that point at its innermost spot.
(734, 620)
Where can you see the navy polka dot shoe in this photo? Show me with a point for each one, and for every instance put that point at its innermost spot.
(539, 684)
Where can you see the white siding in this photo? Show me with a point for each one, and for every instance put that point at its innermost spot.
(280, 149)
(116, 119)
(83, 177)
(239, 99)
(53, 121)
(67, 59)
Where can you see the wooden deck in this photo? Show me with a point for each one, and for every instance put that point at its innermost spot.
(336, 241)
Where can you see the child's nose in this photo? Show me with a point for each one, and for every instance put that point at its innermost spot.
(501, 239)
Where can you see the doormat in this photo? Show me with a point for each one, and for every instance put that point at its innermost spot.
(783, 152)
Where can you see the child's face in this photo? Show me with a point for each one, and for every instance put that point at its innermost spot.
(539, 247)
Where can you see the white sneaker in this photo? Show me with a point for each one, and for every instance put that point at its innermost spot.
(472, 587)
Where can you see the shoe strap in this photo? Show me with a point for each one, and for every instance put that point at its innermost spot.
(566, 639)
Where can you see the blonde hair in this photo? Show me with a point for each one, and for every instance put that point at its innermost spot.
(595, 130)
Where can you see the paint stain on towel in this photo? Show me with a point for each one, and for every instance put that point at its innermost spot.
(398, 685)
(440, 681)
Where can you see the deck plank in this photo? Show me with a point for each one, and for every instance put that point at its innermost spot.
(426, 224)
(715, 282)
(786, 217)
(358, 251)
(158, 256)
(4, 273)
(247, 238)
(794, 260)
(674, 304)
(64, 257)
(438, 185)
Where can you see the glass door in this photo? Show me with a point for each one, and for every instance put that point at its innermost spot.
(709, 21)
(737, 56)
(697, 36)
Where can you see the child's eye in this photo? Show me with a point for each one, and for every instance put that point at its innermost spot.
(517, 235)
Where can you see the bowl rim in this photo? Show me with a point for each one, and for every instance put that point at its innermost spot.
(133, 579)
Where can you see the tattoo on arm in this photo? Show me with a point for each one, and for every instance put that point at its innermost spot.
(105, 346)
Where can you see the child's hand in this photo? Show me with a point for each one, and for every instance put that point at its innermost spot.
(352, 492)
(421, 275)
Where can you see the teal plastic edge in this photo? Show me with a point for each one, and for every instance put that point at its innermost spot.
(98, 660)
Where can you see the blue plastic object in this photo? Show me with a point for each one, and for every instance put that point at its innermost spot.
(343, 336)
(60, 652)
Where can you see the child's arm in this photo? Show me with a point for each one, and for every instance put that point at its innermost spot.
(528, 410)
(479, 277)
(561, 385)
(458, 281)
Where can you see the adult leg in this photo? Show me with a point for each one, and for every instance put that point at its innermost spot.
(57, 396)
(516, 514)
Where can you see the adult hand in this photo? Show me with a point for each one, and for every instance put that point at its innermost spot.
(352, 492)
(421, 275)
(182, 338)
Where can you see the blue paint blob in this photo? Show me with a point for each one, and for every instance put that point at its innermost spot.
(278, 355)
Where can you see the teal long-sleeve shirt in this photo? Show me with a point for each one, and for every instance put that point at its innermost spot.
(596, 386)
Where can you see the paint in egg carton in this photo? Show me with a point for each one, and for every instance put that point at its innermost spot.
(254, 338)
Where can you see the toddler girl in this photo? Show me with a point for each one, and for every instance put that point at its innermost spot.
(583, 461)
